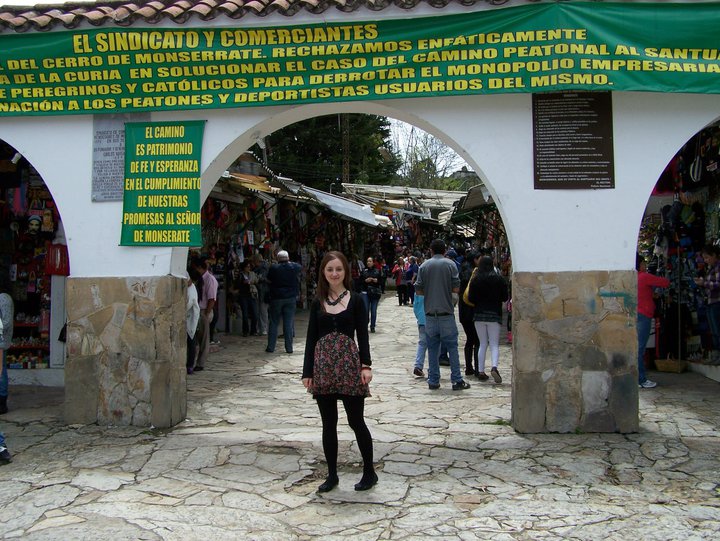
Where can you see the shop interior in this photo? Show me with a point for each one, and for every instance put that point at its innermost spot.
(682, 217)
(34, 263)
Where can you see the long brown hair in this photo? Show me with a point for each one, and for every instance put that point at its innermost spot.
(323, 287)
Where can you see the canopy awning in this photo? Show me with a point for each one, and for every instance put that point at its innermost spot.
(250, 182)
(477, 197)
(342, 206)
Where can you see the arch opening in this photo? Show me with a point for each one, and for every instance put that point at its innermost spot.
(34, 264)
(254, 186)
(677, 244)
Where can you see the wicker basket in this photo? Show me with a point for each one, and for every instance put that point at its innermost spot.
(671, 365)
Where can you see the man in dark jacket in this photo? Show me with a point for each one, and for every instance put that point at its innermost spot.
(283, 290)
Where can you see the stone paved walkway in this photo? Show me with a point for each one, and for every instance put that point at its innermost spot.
(247, 461)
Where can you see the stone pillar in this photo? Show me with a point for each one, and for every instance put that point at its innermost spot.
(575, 352)
(126, 344)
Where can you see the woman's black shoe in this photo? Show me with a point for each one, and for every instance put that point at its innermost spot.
(367, 483)
(329, 484)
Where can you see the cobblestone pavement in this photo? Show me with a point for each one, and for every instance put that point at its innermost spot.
(246, 462)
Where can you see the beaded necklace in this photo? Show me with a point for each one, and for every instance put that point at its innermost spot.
(339, 298)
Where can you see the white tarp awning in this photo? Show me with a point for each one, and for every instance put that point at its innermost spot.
(342, 206)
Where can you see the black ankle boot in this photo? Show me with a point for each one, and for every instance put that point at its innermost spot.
(368, 481)
(330, 483)
(3, 404)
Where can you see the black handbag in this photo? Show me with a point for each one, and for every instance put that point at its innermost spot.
(374, 292)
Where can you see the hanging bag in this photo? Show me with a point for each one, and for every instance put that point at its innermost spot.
(57, 261)
(466, 293)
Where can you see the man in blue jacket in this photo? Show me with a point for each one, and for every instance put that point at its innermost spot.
(283, 290)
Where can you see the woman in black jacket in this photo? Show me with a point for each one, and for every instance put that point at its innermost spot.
(467, 314)
(488, 292)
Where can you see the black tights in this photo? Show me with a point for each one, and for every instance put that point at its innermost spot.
(354, 409)
(472, 345)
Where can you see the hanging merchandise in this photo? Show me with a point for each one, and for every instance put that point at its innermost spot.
(31, 220)
(57, 261)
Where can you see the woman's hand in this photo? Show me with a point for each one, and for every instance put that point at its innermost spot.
(366, 376)
(307, 382)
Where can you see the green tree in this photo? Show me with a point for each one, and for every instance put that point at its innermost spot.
(312, 151)
(427, 162)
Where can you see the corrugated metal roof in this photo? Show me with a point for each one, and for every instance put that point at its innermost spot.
(422, 197)
(342, 206)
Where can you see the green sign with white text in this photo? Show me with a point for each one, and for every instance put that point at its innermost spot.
(548, 47)
(161, 196)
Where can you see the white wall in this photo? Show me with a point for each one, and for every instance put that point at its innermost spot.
(549, 230)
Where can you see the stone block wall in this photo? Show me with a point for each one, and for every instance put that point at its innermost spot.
(126, 344)
(575, 352)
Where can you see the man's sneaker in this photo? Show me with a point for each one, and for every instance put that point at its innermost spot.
(495, 375)
(418, 373)
(460, 385)
(647, 384)
(482, 376)
(5, 456)
(433, 386)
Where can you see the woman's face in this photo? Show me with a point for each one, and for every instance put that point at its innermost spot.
(370, 262)
(709, 259)
(334, 272)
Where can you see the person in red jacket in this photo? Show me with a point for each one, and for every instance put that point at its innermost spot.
(646, 309)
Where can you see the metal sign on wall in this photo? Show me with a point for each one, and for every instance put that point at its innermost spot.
(548, 47)
(109, 154)
(573, 140)
(161, 203)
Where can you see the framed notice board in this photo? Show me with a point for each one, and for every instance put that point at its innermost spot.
(573, 141)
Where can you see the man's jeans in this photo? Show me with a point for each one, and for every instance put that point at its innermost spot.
(249, 308)
(713, 317)
(643, 330)
(203, 339)
(3, 390)
(442, 330)
(285, 309)
(3, 376)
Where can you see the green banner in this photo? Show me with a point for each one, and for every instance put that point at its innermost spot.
(532, 48)
(161, 196)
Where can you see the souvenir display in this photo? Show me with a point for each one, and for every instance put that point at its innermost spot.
(30, 254)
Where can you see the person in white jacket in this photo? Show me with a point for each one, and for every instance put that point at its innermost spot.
(7, 316)
(192, 316)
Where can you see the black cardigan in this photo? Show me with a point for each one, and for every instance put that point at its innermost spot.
(487, 292)
(351, 321)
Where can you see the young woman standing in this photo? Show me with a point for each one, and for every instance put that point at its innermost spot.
(337, 367)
